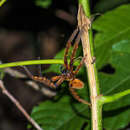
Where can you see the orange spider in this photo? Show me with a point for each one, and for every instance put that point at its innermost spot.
(67, 72)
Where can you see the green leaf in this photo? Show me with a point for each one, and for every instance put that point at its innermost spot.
(62, 114)
(122, 46)
(43, 3)
(112, 27)
(117, 112)
(119, 121)
(2, 74)
(113, 46)
(104, 5)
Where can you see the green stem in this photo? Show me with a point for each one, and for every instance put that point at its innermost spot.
(32, 62)
(2, 2)
(92, 54)
(87, 41)
(35, 62)
(86, 7)
(114, 97)
(85, 4)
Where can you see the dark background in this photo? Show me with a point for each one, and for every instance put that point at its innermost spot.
(27, 32)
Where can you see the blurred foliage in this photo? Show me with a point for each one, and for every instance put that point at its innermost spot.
(2, 74)
(2, 2)
(105, 5)
(112, 43)
(43, 3)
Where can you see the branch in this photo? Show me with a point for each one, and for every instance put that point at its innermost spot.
(18, 105)
(87, 43)
(31, 83)
(114, 97)
(86, 7)
(32, 62)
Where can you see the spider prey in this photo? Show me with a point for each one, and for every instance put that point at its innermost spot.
(67, 72)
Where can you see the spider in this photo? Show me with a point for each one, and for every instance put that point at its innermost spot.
(67, 72)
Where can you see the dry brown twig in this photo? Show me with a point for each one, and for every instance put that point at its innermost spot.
(18, 105)
(65, 16)
(31, 83)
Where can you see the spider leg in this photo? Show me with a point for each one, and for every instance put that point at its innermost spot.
(75, 95)
(55, 78)
(77, 40)
(68, 46)
(43, 80)
(60, 81)
(80, 65)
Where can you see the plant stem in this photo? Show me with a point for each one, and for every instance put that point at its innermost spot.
(114, 97)
(32, 62)
(87, 42)
(2, 2)
(86, 7)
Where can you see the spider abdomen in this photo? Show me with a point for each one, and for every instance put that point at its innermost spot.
(76, 83)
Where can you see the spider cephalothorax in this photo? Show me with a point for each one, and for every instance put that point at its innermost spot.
(71, 77)
(67, 70)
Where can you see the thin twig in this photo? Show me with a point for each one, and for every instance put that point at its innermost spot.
(31, 83)
(14, 73)
(65, 16)
(18, 105)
